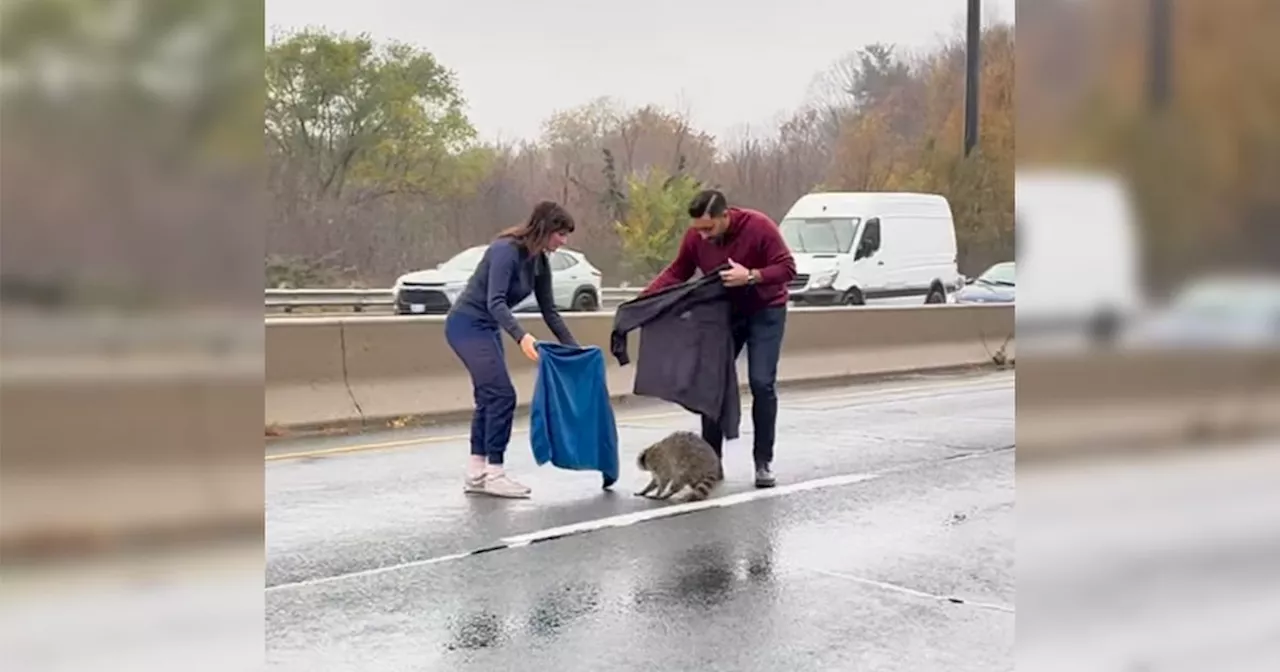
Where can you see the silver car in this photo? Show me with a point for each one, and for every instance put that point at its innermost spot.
(1238, 310)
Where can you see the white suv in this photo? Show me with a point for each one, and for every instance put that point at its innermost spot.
(574, 282)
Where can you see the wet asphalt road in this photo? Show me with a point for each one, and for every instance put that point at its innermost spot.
(910, 567)
(1159, 562)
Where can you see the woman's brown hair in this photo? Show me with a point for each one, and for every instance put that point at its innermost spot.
(546, 219)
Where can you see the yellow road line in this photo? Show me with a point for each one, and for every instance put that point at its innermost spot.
(421, 440)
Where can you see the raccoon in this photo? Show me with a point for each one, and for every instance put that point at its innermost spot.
(681, 459)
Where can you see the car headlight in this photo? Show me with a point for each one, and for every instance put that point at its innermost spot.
(823, 280)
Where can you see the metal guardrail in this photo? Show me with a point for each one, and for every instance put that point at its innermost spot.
(379, 300)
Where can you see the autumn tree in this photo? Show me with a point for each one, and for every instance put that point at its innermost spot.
(980, 186)
(596, 148)
(1203, 167)
(903, 131)
(653, 218)
(769, 172)
(878, 120)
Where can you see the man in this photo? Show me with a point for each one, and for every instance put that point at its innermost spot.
(760, 266)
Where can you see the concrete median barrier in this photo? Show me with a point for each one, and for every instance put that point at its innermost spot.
(107, 446)
(823, 343)
(399, 367)
(306, 374)
(402, 368)
(1072, 404)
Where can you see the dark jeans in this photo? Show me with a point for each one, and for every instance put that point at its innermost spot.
(761, 333)
(478, 343)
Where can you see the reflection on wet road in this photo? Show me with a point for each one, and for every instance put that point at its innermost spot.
(888, 545)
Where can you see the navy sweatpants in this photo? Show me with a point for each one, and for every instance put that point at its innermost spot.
(478, 343)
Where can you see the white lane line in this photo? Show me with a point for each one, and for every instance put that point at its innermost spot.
(626, 519)
(893, 587)
(621, 520)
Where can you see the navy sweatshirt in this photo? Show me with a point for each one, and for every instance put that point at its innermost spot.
(506, 275)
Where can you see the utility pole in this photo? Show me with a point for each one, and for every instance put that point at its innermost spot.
(1158, 54)
(973, 60)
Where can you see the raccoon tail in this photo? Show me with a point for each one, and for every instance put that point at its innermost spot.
(702, 488)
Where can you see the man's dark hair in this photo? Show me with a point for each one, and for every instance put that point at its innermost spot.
(708, 203)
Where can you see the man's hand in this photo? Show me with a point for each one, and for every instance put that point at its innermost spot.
(736, 275)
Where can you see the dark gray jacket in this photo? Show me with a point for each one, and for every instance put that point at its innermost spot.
(686, 348)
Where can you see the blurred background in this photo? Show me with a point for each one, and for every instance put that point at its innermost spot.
(131, 356)
(1148, 242)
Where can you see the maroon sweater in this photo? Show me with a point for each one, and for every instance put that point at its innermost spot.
(752, 240)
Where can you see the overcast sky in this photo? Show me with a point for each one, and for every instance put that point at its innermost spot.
(729, 63)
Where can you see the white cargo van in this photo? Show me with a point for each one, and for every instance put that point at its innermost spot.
(871, 248)
(1079, 252)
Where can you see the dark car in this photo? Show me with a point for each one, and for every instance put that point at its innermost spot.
(995, 285)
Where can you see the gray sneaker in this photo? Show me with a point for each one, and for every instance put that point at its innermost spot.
(764, 478)
(501, 485)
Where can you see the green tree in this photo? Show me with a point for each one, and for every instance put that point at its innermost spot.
(179, 77)
(350, 114)
(654, 217)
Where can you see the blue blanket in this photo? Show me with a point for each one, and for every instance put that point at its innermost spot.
(571, 422)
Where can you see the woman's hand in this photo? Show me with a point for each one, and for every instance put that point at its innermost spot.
(527, 345)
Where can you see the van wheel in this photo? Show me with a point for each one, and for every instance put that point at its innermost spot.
(853, 297)
(936, 295)
(585, 302)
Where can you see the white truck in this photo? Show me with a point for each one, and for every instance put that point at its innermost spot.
(1079, 255)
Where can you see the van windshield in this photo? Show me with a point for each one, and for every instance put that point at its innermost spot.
(820, 235)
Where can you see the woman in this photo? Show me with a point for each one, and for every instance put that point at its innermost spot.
(514, 266)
